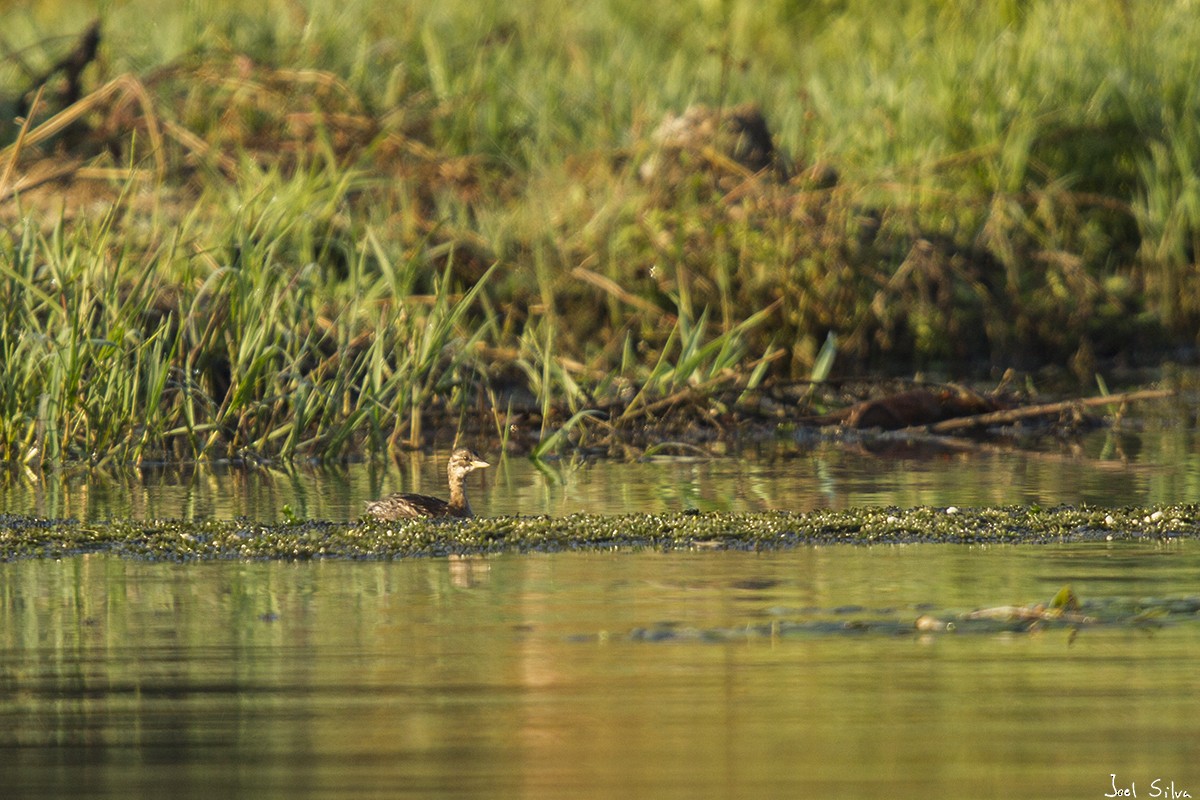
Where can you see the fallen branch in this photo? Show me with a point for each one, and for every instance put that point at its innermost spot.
(1036, 613)
(1041, 410)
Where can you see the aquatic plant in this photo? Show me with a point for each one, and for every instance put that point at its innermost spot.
(25, 537)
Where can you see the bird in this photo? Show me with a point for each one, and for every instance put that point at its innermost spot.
(403, 505)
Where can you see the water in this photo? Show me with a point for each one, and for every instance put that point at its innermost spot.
(516, 677)
(1102, 469)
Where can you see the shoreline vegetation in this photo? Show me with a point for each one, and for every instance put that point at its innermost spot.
(238, 231)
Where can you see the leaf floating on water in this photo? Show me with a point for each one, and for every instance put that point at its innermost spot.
(1065, 600)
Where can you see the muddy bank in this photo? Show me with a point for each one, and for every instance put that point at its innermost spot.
(874, 413)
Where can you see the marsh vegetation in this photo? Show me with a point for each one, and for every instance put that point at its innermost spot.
(304, 540)
(237, 230)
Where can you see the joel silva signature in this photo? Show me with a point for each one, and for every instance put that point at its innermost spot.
(1158, 788)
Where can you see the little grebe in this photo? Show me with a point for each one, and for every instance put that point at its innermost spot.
(408, 506)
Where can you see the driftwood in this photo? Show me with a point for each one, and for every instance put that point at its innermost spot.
(954, 408)
(1038, 613)
(1041, 410)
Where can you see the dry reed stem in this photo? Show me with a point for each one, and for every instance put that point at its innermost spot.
(611, 287)
(126, 85)
(200, 147)
(19, 143)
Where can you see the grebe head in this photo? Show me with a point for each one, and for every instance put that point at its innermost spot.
(464, 460)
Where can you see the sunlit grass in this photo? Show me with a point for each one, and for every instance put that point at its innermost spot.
(301, 230)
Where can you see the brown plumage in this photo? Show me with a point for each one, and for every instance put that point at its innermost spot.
(408, 506)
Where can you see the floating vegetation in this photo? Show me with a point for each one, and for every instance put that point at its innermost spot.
(1064, 612)
(31, 537)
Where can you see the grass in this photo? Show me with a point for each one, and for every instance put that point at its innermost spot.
(318, 231)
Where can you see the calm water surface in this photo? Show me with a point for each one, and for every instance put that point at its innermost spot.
(1103, 469)
(516, 677)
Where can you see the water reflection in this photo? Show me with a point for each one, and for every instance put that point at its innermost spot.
(1103, 469)
(515, 677)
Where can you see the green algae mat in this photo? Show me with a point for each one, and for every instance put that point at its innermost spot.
(175, 540)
